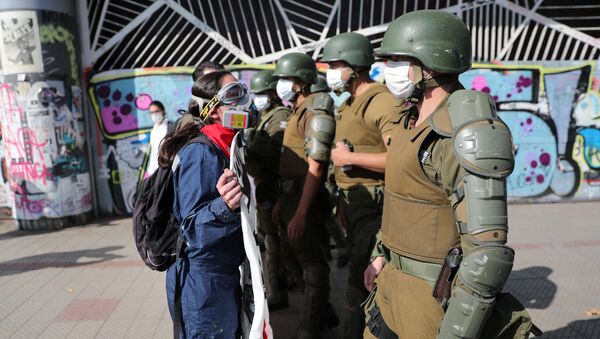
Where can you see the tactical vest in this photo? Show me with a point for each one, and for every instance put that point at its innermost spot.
(351, 125)
(294, 162)
(417, 218)
(269, 118)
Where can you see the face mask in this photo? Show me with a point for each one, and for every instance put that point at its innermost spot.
(396, 79)
(157, 118)
(261, 102)
(239, 118)
(285, 89)
(334, 79)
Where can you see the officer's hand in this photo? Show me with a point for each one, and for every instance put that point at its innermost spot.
(340, 154)
(295, 228)
(229, 189)
(372, 272)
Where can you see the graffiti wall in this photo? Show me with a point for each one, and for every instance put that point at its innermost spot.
(120, 102)
(552, 109)
(45, 172)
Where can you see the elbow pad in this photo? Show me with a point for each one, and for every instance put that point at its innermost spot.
(481, 276)
(319, 137)
(321, 129)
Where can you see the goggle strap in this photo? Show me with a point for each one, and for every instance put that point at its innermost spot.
(209, 108)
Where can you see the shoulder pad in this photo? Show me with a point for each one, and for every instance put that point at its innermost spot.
(282, 109)
(321, 103)
(482, 142)
(466, 106)
(440, 122)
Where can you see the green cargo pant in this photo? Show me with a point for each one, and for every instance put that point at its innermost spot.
(310, 251)
(361, 210)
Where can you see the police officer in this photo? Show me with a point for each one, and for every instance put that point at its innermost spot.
(364, 123)
(262, 163)
(302, 201)
(442, 259)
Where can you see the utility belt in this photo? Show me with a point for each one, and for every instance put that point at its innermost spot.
(439, 277)
(363, 193)
(291, 185)
(423, 270)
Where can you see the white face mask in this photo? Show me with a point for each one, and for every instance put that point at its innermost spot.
(157, 118)
(334, 79)
(285, 89)
(396, 79)
(261, 102)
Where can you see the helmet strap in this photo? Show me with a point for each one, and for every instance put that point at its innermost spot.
(421, 84)
(417, 94)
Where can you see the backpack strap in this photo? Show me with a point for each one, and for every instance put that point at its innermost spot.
(203, 138)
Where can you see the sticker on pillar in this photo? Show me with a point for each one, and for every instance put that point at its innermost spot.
(21, 50)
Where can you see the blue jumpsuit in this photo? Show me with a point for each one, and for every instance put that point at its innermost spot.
(208, 268)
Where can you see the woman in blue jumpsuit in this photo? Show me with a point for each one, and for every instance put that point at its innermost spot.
(206, 206)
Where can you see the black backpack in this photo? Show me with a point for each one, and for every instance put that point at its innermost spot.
(155, 229)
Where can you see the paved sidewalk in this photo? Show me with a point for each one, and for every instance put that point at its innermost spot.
(88, 282)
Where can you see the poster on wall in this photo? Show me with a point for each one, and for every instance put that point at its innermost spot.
(21, 50)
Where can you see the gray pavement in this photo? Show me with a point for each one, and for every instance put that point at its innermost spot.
(88, 282)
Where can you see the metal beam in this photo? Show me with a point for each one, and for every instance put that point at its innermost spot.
(96, 54)
(216, 36)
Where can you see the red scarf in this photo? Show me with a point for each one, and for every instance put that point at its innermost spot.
(221, 136)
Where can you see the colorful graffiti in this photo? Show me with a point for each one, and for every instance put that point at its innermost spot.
(553, 114)
(120, 101)
(45, 169)
(46, 172)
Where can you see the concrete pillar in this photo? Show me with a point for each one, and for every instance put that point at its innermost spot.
(45, 174)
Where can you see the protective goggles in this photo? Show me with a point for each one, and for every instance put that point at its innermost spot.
(233, 94)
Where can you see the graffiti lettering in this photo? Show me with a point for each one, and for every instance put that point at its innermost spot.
(50, 33)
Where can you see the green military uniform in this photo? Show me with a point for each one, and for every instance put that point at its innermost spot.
(362, 121)
(262, 163)
(445, 191)
(310, 250)
(309, 133)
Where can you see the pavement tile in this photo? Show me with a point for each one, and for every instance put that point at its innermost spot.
(8, 328)
(142, 328)
(85, 329)
(31, 329)
(57, 330)
(113, 329)
(128, 308)
(153, 308)
(164, 330)
(88, 309)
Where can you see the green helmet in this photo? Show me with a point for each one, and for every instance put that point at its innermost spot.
(320, 86)
(297, 65)
(352, 48)
(263, 81)
(439, 40)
